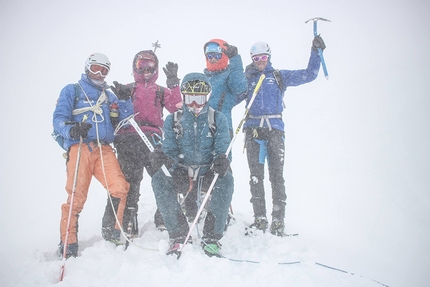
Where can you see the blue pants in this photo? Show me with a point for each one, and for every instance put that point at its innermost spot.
(175, 220)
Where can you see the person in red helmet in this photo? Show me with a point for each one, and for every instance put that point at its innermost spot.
(149, 101)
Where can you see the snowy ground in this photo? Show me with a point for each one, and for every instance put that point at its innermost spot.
(259, 260)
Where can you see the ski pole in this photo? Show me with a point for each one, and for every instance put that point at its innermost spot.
(205, 199)
(72, 198)
(319, 49)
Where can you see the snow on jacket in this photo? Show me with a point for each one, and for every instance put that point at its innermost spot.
(229, 83)
(197, 145)
(269, 100)
(149, 106)
(67, 102)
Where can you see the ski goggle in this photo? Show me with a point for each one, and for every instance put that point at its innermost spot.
(210, 56)
(145, 66)
(98, 69)
(198, 99)
(260, 58)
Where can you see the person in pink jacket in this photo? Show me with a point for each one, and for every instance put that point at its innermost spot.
(149, 101)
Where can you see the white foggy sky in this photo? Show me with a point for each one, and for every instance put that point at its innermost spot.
(357, 145)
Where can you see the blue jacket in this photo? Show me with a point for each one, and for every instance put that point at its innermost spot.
(232, 82)
(67, 102)
(269, 100)
(196, 146)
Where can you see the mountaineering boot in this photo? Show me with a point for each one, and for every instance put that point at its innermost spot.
(260, 223)
(277, 227)
(211, 248)
(176, 244)
(112, 235)
(72, 250)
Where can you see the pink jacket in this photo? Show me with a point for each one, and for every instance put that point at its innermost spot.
(149, 105)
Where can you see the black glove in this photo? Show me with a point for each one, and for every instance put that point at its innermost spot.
(318, 42)
(80, 129)
(230, 50)
(157, 159)
(122, 92)
(171, 71)
(221, 165)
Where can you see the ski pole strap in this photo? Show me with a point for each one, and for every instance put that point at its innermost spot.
(265, 118)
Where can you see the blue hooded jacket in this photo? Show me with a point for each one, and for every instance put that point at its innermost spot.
(67, 102)
(197, 145)
(269, 100)
(231, 82)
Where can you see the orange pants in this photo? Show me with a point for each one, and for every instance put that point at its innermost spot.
(91, 165)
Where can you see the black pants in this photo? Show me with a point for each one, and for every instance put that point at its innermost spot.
(263, 144)
(133, 157)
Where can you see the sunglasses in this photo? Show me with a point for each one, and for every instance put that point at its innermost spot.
(145, 66)
(260, 58)
(210, 56)
(98, 69)
(198, 99)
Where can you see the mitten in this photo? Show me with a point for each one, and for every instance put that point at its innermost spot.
(122, 92)
(171, 71)
(230, 50)
(318, 42)
(158, 159)
(80, 129)
(221, 165)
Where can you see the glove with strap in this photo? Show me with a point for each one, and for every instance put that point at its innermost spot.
(171, 71)
(80, 129)
(123, 92)
(230, 50)
(318, 42)
(157, 159)
(220, 165)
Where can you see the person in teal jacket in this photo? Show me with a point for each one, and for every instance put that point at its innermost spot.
(193, 151)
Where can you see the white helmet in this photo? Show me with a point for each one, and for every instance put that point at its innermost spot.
(97, 58)
(260, 48)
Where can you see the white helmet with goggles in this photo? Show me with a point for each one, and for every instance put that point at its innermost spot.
(260, 48)
(100, 60)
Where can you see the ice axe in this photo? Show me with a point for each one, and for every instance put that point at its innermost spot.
(319, 49)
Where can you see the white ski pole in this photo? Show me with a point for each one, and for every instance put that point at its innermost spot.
(257, 88)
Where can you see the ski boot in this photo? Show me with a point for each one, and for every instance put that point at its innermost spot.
(260, 223)
(277, 227)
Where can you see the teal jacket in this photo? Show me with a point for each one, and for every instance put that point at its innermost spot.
(196, 145)
(227, 85)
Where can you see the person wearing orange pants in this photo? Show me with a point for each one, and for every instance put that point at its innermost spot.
(91, 165)
(84, 120)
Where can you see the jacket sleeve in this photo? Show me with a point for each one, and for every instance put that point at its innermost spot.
(299, 77)
(171, 98)
(222, 135)
(237, 82)
(63, 111)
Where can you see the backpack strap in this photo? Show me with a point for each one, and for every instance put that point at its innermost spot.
(211, 121)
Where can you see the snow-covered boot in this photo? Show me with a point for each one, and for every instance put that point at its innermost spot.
(211, 248)
(260, 223)
(277, 227)
(176, 245)
(72, 250)
(112, 235)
